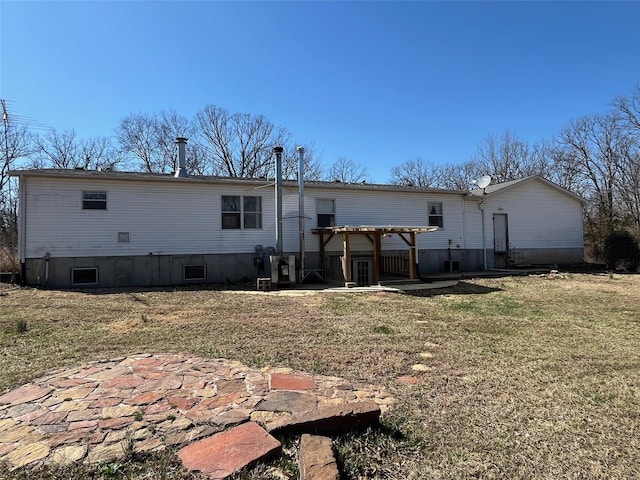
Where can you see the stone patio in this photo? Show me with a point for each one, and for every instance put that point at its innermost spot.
(147, 402)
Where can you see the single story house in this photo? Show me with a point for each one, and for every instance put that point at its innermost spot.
(107, 229)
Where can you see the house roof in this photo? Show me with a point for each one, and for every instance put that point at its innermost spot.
(162, 177)
(501, 187)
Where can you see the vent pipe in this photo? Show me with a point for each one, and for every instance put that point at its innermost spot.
(300, 151)
(278, 151)
(181, 171)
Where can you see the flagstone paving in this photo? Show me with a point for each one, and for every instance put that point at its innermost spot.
(100, 411)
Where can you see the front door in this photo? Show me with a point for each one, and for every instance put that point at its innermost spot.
(500, 238)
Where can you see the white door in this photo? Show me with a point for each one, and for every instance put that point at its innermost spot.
(500, 233)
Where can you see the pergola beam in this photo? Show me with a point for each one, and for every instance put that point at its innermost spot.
(374, 234)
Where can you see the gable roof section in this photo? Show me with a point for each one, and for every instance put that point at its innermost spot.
(501, 187)
(199, 179)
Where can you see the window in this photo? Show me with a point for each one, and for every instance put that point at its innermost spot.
(84, 276)
(123, 237)
(435, 215)
(194, 272)
(326, 210)
(94, 200)
(252, 212)
(241, 212)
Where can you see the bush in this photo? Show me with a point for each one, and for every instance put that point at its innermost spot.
(622, 247)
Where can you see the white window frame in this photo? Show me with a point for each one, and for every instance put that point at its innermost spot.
(87, 200)
(242, 213)
(257, 214)
(438, 206)
(332, 222)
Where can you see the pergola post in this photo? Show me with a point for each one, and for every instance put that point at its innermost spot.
(347, 257)
(377, 257)
(412, 256)
(322, 261)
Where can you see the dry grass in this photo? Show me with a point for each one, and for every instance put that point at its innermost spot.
(525, 377)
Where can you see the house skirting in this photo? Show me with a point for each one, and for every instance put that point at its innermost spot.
(162, 270)
(145, 270)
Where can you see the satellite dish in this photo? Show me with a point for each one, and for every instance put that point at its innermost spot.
(484, 181)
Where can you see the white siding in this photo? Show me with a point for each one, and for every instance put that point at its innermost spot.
(372, 207)
(473, 224)
(538, 217)
(173, 218)
(161, 218)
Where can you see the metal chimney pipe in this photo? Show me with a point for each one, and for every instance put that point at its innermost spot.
(278, 151)
(181, 171)
(300, 151)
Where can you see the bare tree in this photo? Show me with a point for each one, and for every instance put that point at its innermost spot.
(99, 153)
(15, 146)
(169, 126)
(65, 150)
(346, 170)
(628, 109)
(456, 176)
(505, 157)
(311, 160)
(56, 150)
(594, 147)
(138, 136)
(239, 144)
(416, 173)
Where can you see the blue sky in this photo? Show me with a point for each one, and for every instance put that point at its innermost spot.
(378, 82)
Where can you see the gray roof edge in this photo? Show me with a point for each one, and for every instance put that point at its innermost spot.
(160, 177)
(501, 187)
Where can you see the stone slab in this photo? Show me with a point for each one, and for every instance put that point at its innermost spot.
(286, 401)
(283, 381)
(227, 452)
(329, 419)
(316, 459)
(25, 394)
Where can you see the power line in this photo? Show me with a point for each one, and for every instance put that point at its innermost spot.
(20, 120)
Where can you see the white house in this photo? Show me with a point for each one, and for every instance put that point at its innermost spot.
(91, 228)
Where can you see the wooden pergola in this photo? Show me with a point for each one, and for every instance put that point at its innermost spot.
(374, 234)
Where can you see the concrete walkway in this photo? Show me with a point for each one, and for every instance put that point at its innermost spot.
(304, 289)
(100, 411)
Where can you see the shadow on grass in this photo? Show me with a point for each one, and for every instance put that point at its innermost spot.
(375, 452)
(462, 288)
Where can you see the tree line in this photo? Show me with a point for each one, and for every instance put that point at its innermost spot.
(596, 156)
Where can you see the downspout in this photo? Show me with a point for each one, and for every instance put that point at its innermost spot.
(22, 228)
(464, 222)
(484, 246)
(300, 151)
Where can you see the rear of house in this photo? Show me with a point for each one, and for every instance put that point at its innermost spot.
(86, 228)
(529, 221)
